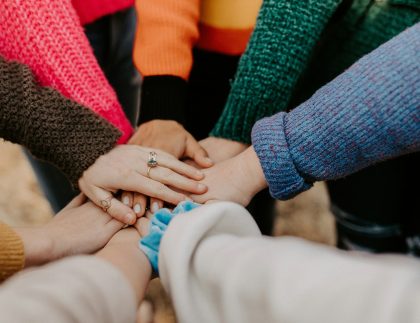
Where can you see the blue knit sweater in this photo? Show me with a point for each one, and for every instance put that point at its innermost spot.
(368, 114)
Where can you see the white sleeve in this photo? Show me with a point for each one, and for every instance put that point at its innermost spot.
(73, 290)
(218, 268)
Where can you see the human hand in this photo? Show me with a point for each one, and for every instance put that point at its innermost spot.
(79, 228)
(171, 137)
(125, 168)
(220, 149)
(237, 179)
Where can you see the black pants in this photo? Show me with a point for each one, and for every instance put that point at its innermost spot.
(112, 40)
(377, 209)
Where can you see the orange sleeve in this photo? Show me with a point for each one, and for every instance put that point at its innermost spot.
(166, 33)
(12, 257)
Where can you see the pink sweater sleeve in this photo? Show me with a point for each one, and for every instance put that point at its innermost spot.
(47, 36)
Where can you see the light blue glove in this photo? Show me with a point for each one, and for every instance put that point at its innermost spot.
(150, 244)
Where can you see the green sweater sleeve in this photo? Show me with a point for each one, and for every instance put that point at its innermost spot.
(52, 127)
(279, 50)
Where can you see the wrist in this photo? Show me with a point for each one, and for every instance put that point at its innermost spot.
(255, 180)
(38, 246)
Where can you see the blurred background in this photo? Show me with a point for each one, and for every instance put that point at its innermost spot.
(22, 204)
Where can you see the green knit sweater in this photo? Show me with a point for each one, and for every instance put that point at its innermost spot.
(298, 46)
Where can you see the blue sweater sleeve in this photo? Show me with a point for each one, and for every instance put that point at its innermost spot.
(368, 114)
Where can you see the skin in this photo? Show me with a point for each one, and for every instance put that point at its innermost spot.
(78, 228)
(244, 175)
(125, 168)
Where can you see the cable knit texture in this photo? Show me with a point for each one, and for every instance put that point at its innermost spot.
(47, 36)
(51, 126)
(12, 258)
(90, 10)
(368, 114)
(281, 53)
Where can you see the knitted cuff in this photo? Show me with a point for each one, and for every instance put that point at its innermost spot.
(163, 97)
(150, 244)
(270, 144)
(12, 258)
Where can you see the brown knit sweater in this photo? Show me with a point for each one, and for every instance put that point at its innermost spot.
(51, 126)
(12, 257)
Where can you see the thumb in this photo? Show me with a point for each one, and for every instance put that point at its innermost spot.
(197, 153)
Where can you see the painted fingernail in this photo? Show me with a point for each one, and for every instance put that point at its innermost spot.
(129, 218)
(126, 200)
(137, 208)
(201, 187)
(155, 207)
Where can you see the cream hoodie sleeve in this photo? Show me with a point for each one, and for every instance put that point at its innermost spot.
(82, 289)
(218, 268)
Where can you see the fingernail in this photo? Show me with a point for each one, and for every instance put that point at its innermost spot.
(137, 208)
(209, 160)
(188, 199)
(200, 173)
(201, 187)
(126, 200)
(129, 218)
(155, 207)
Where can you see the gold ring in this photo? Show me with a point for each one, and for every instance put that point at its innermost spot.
(148, 171)
(106, 203)
(152, 162)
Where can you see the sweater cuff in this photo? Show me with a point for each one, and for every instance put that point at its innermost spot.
(163, 97)
(12, 257)
(270, 144)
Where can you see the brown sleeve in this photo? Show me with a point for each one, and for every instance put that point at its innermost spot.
(12, 258)
(52, 127)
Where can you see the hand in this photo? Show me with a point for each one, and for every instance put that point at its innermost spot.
(171, 137)
(220, 149)
(237, 179)
(78, 228)
(125, 168)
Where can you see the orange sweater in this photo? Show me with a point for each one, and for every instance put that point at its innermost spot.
(12, 256)
(169, 29)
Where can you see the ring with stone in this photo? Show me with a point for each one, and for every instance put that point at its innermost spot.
(152, 162)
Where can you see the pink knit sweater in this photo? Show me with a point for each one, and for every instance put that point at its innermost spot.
(90, 10)
(47, 36)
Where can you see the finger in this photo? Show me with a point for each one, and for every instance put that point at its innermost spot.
(155, 205)
(116, 209)
(169, 177)
(139, 204)
(142, 226)
(127, 198)
(197, 153)
(135, 182)
(77, 201)
(178, 166)
(149, 215)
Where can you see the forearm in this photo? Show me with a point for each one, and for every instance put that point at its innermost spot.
(46, 35)
(75, 289)
(52, 127)
(368, 114)
(166, 34)
(271, 280)
(280, 47)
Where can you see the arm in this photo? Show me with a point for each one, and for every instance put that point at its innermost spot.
(166, 34)
(368, 114)
(280, 47)
(46, 35)
(218, 248)
(103, 288)
(52, 127)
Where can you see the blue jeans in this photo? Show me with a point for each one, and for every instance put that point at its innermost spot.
(112, 39)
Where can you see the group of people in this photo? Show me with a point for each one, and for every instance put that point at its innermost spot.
(172, 116)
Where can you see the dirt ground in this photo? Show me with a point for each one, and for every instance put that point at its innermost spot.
(22, 204)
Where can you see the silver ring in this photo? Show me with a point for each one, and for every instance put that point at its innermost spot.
(152, 162)
(106, 203)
